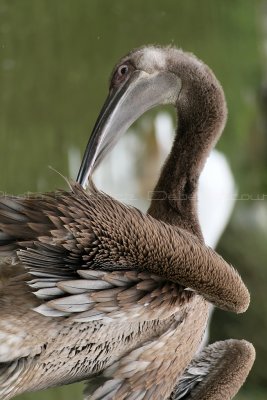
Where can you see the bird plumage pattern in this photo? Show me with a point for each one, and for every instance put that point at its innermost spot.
(99, 290)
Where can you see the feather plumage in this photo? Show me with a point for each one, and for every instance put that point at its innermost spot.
(141, 331)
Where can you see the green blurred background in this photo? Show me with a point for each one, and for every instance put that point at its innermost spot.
(55, 59)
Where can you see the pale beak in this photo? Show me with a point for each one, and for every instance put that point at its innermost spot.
(141, 92)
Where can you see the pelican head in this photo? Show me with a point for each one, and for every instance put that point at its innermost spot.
(143, 79)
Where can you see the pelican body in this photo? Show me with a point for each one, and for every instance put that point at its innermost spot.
(99, 291)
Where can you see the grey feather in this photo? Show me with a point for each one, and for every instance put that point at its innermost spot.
(50, 312)
(48, 292)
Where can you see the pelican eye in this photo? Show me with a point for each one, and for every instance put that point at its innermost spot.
(123, 69)
(121, 74)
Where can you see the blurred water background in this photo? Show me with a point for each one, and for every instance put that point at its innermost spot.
(55, 60)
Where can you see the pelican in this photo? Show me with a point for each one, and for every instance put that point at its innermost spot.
(120, 298)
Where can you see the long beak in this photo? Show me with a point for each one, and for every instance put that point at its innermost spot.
(141, 92)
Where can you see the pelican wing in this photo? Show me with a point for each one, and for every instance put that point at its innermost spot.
(215, 373)
(110, 296)
(58, 235)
